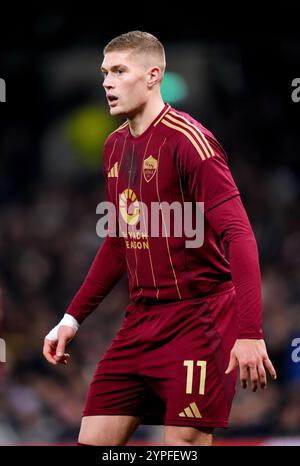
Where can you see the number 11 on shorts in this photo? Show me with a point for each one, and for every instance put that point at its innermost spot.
(190, 374)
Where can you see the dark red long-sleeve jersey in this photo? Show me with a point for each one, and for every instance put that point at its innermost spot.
(175, 160)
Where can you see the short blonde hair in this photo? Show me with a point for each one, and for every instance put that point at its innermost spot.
(141, 42)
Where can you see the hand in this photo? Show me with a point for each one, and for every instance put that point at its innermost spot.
(54, 351)
(251, 356)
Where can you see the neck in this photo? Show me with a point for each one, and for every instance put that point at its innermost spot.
(144, 117)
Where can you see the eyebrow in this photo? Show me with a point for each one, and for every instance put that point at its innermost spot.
(113, 68)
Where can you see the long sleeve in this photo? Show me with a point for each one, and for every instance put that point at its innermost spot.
(106, 270)
(231, 223)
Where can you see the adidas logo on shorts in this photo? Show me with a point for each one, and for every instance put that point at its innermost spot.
(191, 411)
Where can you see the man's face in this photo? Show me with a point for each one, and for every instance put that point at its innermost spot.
(125, 82)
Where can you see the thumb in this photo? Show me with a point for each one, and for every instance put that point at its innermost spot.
(232, 364)
(60, 349)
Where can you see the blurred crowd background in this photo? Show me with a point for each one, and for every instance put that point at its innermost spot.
(52, 128)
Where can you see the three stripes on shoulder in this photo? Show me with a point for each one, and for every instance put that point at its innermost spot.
(191, 131)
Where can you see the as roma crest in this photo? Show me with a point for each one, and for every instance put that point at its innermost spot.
(149, 167)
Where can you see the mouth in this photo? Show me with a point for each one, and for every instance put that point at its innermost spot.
(112, 100)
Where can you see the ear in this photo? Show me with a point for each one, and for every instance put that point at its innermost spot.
(154, 76)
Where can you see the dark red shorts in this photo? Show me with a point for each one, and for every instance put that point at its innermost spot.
(167, 364)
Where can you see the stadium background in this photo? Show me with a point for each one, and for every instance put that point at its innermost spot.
(238, 84)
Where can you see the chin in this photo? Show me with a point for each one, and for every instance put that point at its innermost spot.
(114, 111)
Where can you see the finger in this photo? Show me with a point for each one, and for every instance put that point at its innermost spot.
(60, 348)
(244, 375)
(232, 364)
(49, 351)
(270, 368)
(253, 376)
(262, 375)
(64, 359)
(61, 358)
(50, 358)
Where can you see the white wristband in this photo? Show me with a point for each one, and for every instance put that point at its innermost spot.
(66, 320)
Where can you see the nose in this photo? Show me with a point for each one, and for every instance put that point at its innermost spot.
(107, 83)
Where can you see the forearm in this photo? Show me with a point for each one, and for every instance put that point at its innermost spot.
(106, 270)
(230, 221)
(245, 271)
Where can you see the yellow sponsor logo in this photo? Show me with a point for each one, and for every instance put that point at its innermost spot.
(129, 207)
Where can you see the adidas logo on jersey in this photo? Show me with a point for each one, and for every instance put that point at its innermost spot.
(191, 411)
(114, 171)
